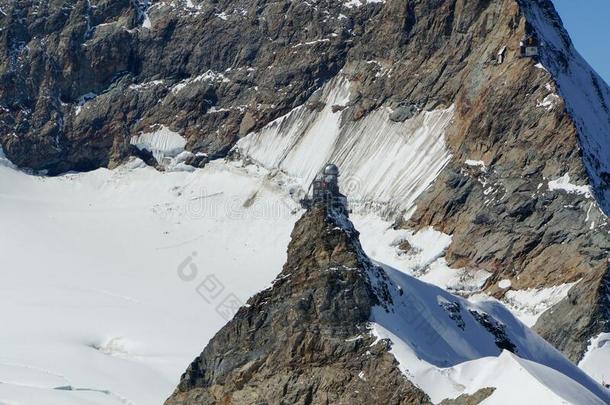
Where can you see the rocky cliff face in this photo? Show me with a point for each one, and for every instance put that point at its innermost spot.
(523, 194)
(336, 328)
(583, 314)
(82, 77)
(519, 214)
(306, 339)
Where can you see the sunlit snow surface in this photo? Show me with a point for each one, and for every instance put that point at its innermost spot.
(586, 94)
(596, 360)
(383, 163)
(99, 300)
(113, 281)
(447, 353)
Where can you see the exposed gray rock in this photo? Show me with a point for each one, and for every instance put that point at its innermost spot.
(403, 113)
(83, 76)
(474, 399)
(80, 77)
(454, 310)
(197, 160)
(306, 339)
(496, 329)
(515, 227)
(583, 314)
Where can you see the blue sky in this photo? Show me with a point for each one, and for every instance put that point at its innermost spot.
(588, 22)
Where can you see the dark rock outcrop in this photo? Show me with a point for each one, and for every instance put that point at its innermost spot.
(306, 339)
(583, 314)
(496, 329)
(474, 399)
(81, 77)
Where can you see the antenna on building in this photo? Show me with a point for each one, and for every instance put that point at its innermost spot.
(325, 189)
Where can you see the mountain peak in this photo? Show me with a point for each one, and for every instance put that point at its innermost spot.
(336, 327)
(307, 338)
(475, 120)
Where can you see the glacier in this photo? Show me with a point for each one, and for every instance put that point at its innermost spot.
(125, 274)
(384, 165)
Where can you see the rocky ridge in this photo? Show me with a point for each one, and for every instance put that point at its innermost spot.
(306, 339)
(337, 328)
(81, 78)
(84, 76)
(507, 216)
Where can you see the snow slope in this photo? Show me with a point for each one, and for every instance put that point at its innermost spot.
(447, 351)
(114, 280)
(586, 94)
(99, 300)
(596, 360)
(384, 165)
(519, 381)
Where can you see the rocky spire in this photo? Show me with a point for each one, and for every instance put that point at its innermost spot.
(306, 339)
(213, 72)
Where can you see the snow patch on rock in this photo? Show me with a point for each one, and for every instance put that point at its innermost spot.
(563, 184)
(384, 165)
(146, 85)
(586, 95)
(477, 163)
(209, 76)
(529, 304)
(596, 361)
(549, 102)
(162, 143)
(360, 3)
